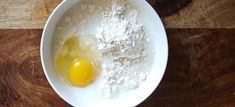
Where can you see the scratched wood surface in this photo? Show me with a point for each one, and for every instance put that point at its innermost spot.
(175, 13)
(31, 14)
(200, 72)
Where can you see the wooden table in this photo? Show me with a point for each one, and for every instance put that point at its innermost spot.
(201, 65)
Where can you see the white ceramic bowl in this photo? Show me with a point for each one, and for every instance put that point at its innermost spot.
(89, 97)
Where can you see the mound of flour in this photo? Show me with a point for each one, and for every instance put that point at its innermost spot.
(123, 43)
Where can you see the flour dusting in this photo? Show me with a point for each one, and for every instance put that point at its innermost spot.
(123, 44)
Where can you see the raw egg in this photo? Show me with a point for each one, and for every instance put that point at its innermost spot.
(77, 65)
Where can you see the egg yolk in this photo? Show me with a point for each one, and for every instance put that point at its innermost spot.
(81, 73)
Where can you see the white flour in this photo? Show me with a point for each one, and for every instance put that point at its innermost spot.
(123, 44)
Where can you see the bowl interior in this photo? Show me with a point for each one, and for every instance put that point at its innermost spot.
(89, 97)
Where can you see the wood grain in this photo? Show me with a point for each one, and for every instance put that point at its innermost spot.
(200, 71)
(32, 14)
(201, 14)
(22, 81)
(22, 14)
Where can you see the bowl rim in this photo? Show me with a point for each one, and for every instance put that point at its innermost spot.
(41, 52)
(43, 61)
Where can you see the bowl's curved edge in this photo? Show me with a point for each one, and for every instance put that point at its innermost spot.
(43, 61)
(167, 50)
(42, 51)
